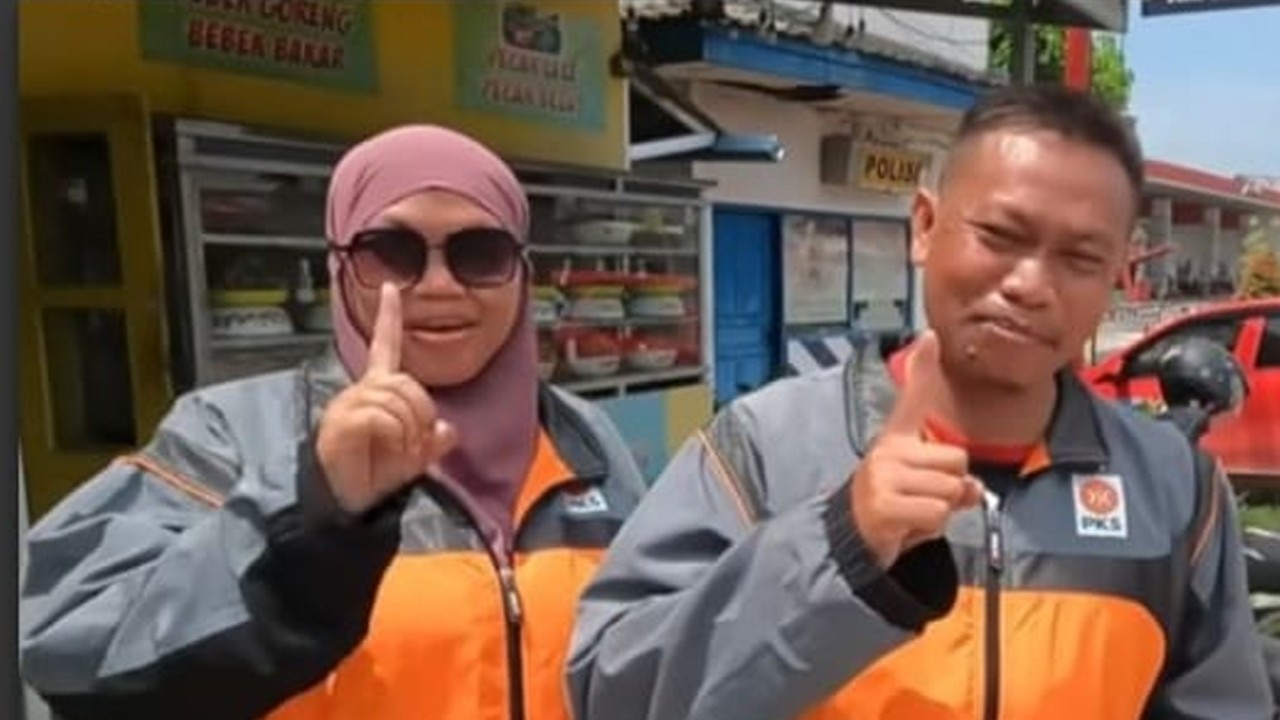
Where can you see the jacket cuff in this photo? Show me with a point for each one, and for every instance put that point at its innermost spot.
(325, 560)
(920, 587)
(320, 507)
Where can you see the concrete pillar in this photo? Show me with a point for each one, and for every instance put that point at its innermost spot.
(1213, 233)
(1161, 232)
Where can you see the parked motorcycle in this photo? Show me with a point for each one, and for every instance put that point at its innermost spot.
(1199, 380)
(1262, 560)
(1262, 563)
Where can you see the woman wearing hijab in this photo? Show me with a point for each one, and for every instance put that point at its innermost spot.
(399, 529)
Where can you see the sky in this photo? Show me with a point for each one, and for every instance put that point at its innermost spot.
(1206, 90)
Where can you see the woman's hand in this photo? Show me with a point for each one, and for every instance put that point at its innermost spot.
(381, 432)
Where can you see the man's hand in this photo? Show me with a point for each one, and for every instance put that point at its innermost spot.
(382, 432)
(905, 489)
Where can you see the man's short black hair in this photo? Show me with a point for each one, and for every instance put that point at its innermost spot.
(1074, 115)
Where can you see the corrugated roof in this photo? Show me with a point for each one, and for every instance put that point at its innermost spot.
(1161, 172)
(800, 20)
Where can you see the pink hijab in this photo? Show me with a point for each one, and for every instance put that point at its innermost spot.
(495, 413)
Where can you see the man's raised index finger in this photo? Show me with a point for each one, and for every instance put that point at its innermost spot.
(917, 395)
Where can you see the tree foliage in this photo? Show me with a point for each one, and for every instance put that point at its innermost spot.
(1112, 78)
(1259, 267)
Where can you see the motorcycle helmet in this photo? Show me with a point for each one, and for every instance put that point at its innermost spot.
(1201, 373)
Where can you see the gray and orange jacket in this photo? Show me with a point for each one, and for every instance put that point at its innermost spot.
(211, 576)
(740, 589)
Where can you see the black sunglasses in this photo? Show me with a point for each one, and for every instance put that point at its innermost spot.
(477, 257)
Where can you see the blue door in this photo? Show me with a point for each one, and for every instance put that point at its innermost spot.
(745, 258)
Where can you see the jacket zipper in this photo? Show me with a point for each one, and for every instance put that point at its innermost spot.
(512, 610)
(991, 598)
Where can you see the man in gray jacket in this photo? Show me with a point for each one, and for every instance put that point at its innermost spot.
(965, 531)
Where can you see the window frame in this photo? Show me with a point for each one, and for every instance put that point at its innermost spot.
(1137, 359)
(1270, 327)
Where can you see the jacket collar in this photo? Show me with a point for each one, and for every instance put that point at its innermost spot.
(576, 442)
(1074, 437)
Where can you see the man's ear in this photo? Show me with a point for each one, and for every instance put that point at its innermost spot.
(923, 216)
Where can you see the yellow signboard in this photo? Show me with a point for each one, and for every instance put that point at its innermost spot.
(396, 64)
(321, 43)
(520, 60)
(889, 169)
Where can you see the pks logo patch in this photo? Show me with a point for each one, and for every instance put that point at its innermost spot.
(589, 501)
(1100, 507)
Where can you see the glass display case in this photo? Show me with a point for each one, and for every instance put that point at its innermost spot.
(617, 265)
(252, 212)
(617, 290)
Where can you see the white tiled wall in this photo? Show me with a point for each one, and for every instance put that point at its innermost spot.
(793, 183)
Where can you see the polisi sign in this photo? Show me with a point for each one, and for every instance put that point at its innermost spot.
(890, 169)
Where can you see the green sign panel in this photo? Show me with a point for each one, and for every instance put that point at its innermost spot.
(317, 42)
(1173, 7)
(523, 61)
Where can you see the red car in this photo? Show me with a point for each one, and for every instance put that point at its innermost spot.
(1249, 442)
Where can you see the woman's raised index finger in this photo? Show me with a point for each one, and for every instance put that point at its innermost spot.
(388, 332)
